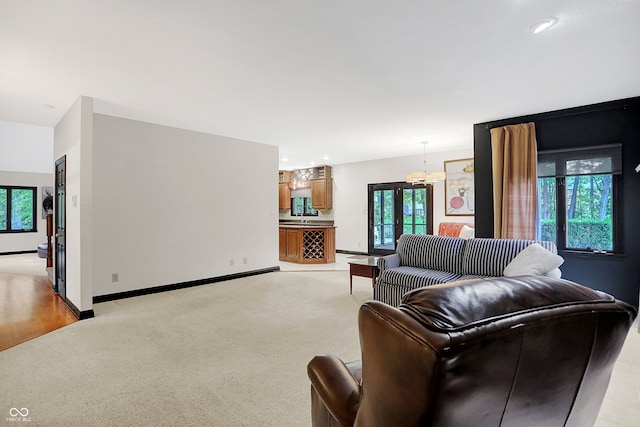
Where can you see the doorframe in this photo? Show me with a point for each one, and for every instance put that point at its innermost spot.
(371, 188)
(56, 212)
(397, 188)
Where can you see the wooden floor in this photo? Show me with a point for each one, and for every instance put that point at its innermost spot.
(28, 309)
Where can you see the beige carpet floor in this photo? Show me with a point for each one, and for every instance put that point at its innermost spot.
(29, 264)
(227, 354)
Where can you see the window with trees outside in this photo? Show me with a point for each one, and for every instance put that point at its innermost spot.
(577, 194)
(17, 209)
(301, 206)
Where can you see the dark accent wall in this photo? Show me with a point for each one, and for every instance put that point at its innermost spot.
(597, 124)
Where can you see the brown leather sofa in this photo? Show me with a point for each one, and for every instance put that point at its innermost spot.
(509, 351)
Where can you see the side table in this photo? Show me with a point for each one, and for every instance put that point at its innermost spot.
(366, 267)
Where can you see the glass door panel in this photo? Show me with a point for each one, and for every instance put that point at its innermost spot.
(414, 210)
(394, 209)
(383, 219)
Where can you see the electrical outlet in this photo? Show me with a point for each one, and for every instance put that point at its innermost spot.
(114, 277)
(231, 262)
(244, 260)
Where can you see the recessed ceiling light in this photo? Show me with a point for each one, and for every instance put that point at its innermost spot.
(312, 163)
(285, 160)
(48, 106)
(325, 158)
(542, 24)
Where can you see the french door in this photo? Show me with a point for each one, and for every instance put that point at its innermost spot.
(397, 208)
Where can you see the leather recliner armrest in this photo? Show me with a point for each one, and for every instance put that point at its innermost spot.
(338, 389)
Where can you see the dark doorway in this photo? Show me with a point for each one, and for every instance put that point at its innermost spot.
(60, 214)
(395, 209)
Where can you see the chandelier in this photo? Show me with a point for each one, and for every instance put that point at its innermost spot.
(423, 177)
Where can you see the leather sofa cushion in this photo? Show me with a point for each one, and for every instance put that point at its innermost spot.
(463, 305)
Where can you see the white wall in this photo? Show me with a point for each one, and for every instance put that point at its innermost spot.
(350, 183)
(26, 148)
(171, 205)
(73, 139)
(26, 159)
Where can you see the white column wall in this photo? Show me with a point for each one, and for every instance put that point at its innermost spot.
(73, 139)
(172, 205)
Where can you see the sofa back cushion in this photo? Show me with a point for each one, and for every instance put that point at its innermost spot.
(431, 252)
(489, 257)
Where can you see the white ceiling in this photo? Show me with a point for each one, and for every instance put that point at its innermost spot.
(349, 79)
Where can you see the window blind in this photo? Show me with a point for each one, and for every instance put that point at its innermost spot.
(602, 159)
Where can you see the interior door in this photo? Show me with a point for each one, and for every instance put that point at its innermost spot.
(60, 210)
(397, 208)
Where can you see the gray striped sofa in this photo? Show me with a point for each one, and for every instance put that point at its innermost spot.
(423, 260)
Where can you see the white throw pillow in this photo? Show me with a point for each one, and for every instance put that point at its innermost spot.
(467, 232)
(535, 260)
(555, 273)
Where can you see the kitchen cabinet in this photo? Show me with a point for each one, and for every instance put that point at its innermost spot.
(293, 245)
(282, 239)
(284, 196)
(322, 194)
(317, 178)
(284, 190)
(289, 244)
(307, 244)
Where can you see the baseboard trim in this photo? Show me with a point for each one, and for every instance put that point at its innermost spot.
(174, 286)
(18, 252)
(80, 315)
(340, 251)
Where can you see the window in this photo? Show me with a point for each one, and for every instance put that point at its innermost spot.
(301, 206)
(577, 194)
(17, 209)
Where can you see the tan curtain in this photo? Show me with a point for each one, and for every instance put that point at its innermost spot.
(514, 162)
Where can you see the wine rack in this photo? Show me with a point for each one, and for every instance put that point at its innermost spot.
(313, 244)
(307, 245)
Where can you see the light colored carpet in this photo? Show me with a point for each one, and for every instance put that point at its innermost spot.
(226, 354)
(29, 264)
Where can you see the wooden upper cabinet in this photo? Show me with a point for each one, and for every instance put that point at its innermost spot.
(284, 190)
(318, 178)
(322, 194)
(284, 196)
